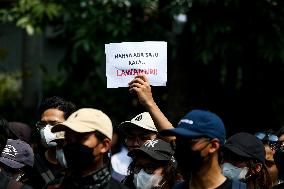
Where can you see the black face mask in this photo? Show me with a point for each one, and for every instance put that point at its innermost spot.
(78, 156)
(189, 161)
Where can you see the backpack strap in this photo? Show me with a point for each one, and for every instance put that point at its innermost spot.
(13, 184)
(236, 184)
(43, 169)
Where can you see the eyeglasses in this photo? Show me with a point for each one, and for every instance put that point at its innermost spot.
(266, 136)
(148, 168)
(42, 124)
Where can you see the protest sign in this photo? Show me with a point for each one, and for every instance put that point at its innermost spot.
(127, 59)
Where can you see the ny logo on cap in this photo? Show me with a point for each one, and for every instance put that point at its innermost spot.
(151, 143)
(138, 118)
(10, 150)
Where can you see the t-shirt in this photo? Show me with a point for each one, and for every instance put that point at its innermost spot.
(119, 163)
(6, 183)
(228, 184)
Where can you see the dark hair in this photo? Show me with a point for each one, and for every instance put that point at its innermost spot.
(4, 132)
(261, 179)
(59, 103)
(280, 131)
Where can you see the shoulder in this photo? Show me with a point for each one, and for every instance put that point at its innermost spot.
(232, 184)
(113, 184)
(4, 180)
(180, 185)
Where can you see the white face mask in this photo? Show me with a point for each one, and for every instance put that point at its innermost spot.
(234, 172)
(47, 136)
(143, 180)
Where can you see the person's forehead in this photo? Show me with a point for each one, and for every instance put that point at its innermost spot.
(142, 160)
(73, 135)
(53, 115)
(135, 130)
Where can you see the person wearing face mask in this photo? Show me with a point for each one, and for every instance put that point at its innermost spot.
(153, 166)
(16, 155)
(270, 141)
(87, 143)
(134, 133)
(199, 137)
(47, 145)
(244, 160)
(140, 128)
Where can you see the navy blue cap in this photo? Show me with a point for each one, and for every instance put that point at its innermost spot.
(199, 123)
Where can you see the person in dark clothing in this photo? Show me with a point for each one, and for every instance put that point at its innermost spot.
(46, 145)
(199, 137)
(87, 142)
(153, 166)
(6, 182)
(244, 159)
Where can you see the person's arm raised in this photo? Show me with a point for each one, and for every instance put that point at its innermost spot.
(140, 84)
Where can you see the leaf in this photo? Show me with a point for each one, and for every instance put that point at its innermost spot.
(23, 21)
(30, 29)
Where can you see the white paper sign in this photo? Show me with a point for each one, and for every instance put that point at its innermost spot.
(127, 59)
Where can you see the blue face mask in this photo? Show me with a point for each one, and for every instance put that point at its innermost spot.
(234, 172)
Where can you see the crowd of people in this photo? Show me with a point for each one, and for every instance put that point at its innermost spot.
(74, 148)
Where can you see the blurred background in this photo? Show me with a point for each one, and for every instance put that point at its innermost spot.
(226, 56)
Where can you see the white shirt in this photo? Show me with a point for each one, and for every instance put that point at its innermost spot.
(120, 162)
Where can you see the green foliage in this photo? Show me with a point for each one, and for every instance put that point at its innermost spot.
(31, 15)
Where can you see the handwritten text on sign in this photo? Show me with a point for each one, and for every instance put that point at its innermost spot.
(127, 59)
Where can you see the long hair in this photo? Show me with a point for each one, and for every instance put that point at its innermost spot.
(261, 179)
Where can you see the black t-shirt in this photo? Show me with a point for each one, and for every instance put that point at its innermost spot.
(228, 184)
(6, 183)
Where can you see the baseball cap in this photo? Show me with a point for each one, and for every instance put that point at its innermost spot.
(86, 120)
(156, 149)
(143, 120)
(199, 123)
(17, 154)
(21, 130)
(246, 145)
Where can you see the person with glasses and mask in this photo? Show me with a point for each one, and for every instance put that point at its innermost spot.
(199, 137)
(270, 140)
(153, 166)
(47, 145)
(87, 143)
(244, 159)
(134, 133)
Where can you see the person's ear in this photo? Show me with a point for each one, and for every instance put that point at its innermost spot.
(105, 145)
(257, 168)
(215, 145)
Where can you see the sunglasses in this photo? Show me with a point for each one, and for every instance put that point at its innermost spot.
(266, 137)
